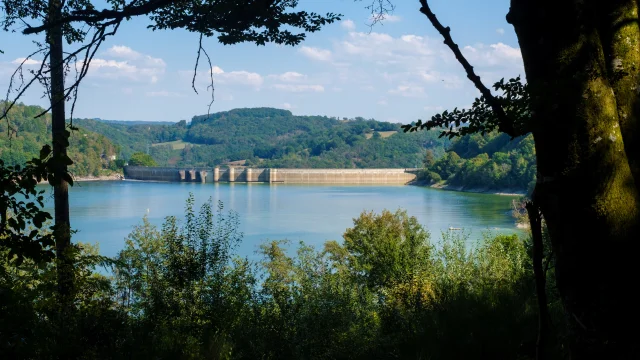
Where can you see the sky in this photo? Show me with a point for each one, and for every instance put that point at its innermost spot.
(398, 70)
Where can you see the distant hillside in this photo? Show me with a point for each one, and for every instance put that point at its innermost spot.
(272, 138)
(23, 136)
(268, 137)
(134, 136)
(135, 122)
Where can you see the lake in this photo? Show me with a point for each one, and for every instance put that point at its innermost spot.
(106, 211)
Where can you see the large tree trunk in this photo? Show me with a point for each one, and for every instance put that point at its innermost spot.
(60, 143)
(581, 62)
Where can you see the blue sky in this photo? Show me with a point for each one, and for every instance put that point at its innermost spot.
(396, 71)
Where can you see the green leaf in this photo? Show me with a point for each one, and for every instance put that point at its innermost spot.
(45, 151)
(67, 178)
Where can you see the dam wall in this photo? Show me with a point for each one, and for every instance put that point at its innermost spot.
(289, 176)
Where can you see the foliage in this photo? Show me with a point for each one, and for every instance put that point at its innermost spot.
(172, 280)
(22, 136)
(490, 161)
(266, 137)
(178, 292)
(481, 118)
(142, 159)
(21, 215)
(387, 248)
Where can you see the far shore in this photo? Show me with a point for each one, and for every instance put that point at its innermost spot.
(112, 177)
(443, 186)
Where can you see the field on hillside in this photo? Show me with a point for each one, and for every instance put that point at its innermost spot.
(383, 134)
(175, 145)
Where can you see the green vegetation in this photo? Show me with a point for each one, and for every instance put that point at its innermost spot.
(491, 161)
(175, 145)
(275, 138)
(179, 292)
(142, 159)
(22, 136)
(272, 138)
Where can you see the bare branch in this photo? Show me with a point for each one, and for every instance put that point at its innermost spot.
(211, 78)
(8, 105)
(506, 124)
(98, 38)
(201, 50)
(380, 9)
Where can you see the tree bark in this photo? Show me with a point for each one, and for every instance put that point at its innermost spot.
(60, 141)
(540, 277)
(584, 126)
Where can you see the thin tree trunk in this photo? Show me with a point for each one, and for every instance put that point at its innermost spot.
(60, 143)
(585, 186)
(541, 291)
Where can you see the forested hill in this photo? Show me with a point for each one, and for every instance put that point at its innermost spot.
(493, 161)
(22, 137)
(273, 138)
(269, 137)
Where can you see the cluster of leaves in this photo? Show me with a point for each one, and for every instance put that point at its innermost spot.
(141, 159)
(21, 215)
(480, 118)
(387, 292)
(233, 22)
(21, 137)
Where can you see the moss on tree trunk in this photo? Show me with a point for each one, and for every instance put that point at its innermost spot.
(584, 126)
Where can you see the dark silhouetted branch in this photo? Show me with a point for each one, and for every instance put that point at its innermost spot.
(535, 220)
(95, 16)
(201, 51)
(505, 124)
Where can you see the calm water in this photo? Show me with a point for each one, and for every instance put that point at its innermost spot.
(105, 212)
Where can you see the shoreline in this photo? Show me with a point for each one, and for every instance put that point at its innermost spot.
(441, 186)
(112, 177)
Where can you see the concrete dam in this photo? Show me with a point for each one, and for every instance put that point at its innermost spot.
(287, 176)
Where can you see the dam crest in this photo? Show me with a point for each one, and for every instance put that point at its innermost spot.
(270, 175)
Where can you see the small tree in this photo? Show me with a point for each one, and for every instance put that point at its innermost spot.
(142, 159)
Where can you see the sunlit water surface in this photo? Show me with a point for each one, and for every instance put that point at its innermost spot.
(106, 211)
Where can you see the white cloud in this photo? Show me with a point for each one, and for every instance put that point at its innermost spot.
(384, 49)
(348, 24)
(412, 91)
(241, 77)
(383, 102)
(112, 69)
(164, 93)
(493, 55)
(287, 106)
(500, 31)
(124, 52)
(134, 67)
(299, 88)
(434, 109)
(289, 76)
(19, 61)
(127, 91)
(316, 53)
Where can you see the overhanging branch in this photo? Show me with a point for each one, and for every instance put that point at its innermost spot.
(95, 16)
(506, 125)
